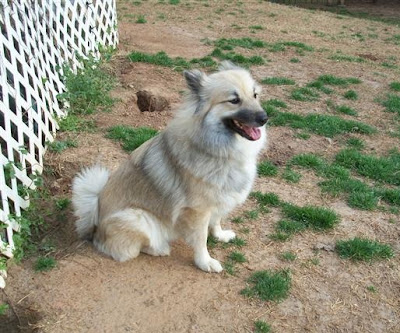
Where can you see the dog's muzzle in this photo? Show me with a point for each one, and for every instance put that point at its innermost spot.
(246, 123)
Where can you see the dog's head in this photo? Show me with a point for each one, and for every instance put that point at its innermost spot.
(228, 100)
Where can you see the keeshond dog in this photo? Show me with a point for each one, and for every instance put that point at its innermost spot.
(182, 182)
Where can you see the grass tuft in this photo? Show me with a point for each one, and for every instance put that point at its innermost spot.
(351, 94)
(288, 256)
(325, 125)
(261, 327)
(346, 110)
(291, 176)
(395, 86)
(279, 81)
(392, 103)
(362, 249)
(267, 169)
(269, 285)
(304, 94)
(348, 58)
(237, 257)
(266, 199)
(87, 90)
(356, 143)
(130, 137)
(43, 264)
(384, 169)
(317, 218)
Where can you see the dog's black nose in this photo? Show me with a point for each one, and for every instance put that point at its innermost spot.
(261, 118)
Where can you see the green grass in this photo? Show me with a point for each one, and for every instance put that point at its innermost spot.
(383, 169)
(237, 257)
(237, 220)
(267, 169)
(174, 2)
(62, 203)
(291, 176)
(130, 137)
(325, 125)
(355, 143)
(251, 214)
(231, 43)
(249, 43)
(289, 227)
(288, 256)
(332, 80)
(362, 249)
(346, 110)
(266, 199)
(141, 19)
(261, 327)
(392, 103)
(351, 95)
(372, 289)
(304, 136)
(74, 123)
(276, 103)
(279, 81)
(43, 264)
(309, 161)
(3, 309)
(87, 90)
(269, 285)
(348, 58)
(237, 241)
(294, 60)
(359, 194)
(395, 86)
(317, 218)
(237, 58)
(256, 27)
(160, 59)
(59, 146)
(305, 94)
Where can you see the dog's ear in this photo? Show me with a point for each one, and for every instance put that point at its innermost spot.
(227, 65)
(194, 80)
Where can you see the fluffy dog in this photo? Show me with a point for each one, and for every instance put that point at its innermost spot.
(184, 180)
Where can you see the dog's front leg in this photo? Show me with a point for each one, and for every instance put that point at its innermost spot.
(194, 229)
(216, 230)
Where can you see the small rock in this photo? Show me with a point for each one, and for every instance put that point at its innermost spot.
(147, 101)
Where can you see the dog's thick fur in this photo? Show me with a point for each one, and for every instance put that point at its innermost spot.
(184, 180)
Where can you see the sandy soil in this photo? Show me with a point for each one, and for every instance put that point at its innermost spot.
(89, 292)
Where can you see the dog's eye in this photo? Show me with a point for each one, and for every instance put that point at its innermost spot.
(255, 95)
(236, 100)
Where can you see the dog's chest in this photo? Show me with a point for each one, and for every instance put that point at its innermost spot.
(229, 186)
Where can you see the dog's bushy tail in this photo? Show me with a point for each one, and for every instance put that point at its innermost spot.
(86, 188)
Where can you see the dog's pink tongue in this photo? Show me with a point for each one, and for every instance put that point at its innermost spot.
(253, 132)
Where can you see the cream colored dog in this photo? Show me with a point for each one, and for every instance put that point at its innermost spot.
(184, 180)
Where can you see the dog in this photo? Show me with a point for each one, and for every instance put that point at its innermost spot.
(183, 181)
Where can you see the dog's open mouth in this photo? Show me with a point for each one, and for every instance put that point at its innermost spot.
(248, 132)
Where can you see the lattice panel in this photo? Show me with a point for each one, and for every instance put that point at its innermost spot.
(37, 37)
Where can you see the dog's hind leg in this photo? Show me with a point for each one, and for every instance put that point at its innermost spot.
(123, 234)
(217, 232)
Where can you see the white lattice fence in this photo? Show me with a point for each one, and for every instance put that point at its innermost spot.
(37, 37)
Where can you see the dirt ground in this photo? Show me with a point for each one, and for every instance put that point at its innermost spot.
(88, 292)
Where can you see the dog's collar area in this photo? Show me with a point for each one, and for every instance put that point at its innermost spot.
(248, 132)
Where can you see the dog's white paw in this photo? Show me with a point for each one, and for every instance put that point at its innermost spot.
(209, 265)
(225, 235)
